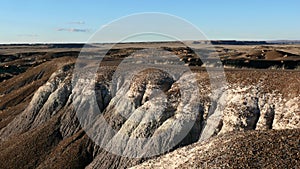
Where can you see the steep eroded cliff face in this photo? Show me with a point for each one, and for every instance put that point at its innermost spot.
(119, 122)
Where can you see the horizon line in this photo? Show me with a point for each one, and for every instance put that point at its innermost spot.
(237, 40)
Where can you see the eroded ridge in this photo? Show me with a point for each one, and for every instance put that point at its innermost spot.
(147, 114)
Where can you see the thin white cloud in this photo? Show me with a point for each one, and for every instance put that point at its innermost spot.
(72, 30)
(103, 26)
(77, 23)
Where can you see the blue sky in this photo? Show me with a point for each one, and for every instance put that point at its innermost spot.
(77, 20)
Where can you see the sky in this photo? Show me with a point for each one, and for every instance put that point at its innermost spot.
(34, 21)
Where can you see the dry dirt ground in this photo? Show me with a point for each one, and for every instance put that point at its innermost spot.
(253, 122)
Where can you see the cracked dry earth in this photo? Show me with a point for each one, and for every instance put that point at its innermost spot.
(251, 122)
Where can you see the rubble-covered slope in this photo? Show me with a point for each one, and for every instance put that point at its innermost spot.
(252, 149)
